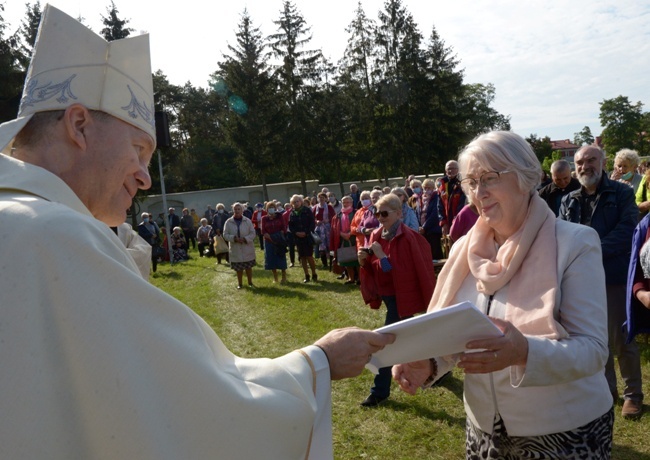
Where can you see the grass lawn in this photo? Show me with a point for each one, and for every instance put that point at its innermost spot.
(271, 320)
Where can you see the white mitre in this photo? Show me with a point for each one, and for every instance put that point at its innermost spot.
(72, 64)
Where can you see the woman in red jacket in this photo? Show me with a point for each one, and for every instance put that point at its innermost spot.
(398, 268)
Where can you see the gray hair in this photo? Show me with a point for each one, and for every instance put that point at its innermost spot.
(630, 155)
(560, 166)
(503, 151)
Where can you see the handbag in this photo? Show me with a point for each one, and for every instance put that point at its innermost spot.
(220, 245)
(316, 238)
(346, 254)
(157, 251)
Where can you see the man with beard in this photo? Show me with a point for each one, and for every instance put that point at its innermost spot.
(609, 208)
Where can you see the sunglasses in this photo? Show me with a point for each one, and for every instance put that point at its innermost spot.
(383, 214)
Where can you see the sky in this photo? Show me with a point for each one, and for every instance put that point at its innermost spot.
(551, 61)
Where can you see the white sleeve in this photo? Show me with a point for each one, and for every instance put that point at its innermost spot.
(321, 442)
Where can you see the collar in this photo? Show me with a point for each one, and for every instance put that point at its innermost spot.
(34, 180)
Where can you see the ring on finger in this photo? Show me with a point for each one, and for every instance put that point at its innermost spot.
(495, 355)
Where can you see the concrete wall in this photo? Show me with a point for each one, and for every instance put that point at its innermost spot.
(199, 200)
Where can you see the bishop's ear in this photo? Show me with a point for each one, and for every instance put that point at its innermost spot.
(77, 120)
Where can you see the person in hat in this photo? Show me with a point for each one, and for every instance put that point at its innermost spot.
(96, 362)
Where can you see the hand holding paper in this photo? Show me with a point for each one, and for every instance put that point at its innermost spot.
(439, 333)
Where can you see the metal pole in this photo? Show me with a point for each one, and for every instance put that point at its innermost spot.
(165, 210)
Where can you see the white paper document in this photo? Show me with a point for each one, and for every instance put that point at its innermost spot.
(439, 333)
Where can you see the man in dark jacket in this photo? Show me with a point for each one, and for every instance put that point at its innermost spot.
(562, 183)
(609, 208)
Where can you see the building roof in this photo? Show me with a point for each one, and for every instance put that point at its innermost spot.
(564, 144)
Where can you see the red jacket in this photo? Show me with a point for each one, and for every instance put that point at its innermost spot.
(413, 276)
(452, 200)
(318, 213)
(256, 225)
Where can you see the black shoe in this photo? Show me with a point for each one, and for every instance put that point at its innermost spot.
(306, 280)
(314, 277)
(341, 276)
(350, 282)
(373, 400)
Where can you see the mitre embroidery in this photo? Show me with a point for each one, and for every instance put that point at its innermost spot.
(136, 108)
(35, 94)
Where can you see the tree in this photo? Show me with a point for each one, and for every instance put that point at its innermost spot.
(297, 74)
(541, 146)
(622, 122)
(28, 33)
(481, 117)
(583, 137)
(548, 161)
(243, 80)
(114, 26)
(12, 75)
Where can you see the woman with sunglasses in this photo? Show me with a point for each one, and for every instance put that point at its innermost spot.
(397, 270)
(539, 391)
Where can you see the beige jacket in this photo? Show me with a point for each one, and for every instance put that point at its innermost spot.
(240, 252)
(562, 386)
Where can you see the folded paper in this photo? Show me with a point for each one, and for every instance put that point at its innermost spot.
(437, 333)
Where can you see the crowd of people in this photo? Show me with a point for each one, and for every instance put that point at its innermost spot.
(98, 361)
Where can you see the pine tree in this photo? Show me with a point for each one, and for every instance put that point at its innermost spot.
(243, 80)
(28, 33)
(12, 75)
(298, 74)
(114, 26)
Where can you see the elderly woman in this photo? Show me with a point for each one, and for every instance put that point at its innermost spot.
(342, 237)
(203, 236)
(364, 221)
(218, 222)
(240, 234)
(275, 248)
(179, 245)
(323, 214)
(429, 218)
(398, 271)
(539, 391)
(625, 163)
(408, 215)
(416, 199)
(301, 224)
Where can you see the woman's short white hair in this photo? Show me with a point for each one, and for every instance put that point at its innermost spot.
(630, 155)
(503, 151)
(296, 197)
(365, 193)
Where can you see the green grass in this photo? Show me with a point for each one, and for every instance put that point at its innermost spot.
(272, 319)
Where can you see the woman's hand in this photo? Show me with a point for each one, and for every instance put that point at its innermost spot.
(644, 297)
(499, 353)
(301, 234)
(267, 237)
(377, 250)
(345, 236)
(411, 376)
(362, 256)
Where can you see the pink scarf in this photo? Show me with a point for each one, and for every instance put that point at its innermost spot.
(345, 220)
(527, 260)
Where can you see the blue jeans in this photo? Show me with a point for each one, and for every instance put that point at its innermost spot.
(381, 387)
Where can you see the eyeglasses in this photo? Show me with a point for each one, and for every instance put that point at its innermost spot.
(383, 214)
(487, 180)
